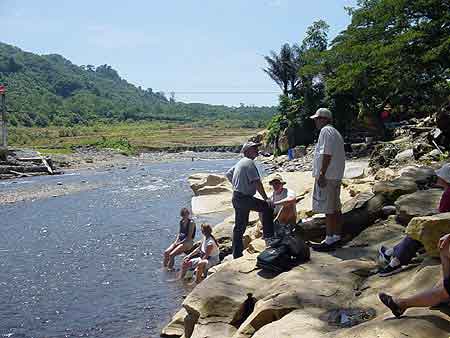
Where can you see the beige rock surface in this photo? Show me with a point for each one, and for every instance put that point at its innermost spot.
(420, 203)
(175, 328)
(428, 230)
(202, 180)
(392, 190)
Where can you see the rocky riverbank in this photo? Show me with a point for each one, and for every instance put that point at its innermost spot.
(335, 294)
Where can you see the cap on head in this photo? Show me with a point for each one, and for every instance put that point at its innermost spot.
(249, 145)
(322, 112)
(444, 173)
(276, 177)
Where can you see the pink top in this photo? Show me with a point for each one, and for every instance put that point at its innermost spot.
(444, 205)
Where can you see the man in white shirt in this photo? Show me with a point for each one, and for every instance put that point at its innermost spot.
(284, 201)
(328, 170)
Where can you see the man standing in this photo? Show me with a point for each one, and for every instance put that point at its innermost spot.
(245, 180)
(328, 170)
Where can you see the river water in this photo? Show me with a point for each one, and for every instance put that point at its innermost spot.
(87, 264)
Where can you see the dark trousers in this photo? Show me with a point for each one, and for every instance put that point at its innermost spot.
(406, 250)
(243, 204)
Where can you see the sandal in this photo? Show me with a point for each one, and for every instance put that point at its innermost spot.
(389, 302)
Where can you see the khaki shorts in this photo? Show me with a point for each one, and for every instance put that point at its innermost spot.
(327, 200)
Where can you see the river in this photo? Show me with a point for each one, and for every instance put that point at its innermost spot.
(88, 263)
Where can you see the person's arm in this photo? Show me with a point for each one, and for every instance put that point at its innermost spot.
(209, 249)
(325, 152)
(193, 253)
(229, 174)
(190, 234)
(260, 189)
(286, 201)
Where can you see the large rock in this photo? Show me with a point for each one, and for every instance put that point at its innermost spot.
(355, 169)
(204, 184)
(385, 174)
(420, 203)
(176, 326)
(422, 176)
(392, 190)
(206, 204)
(405, 156)
(428, 230)
(383, 155)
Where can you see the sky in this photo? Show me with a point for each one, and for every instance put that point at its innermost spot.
(208, 51)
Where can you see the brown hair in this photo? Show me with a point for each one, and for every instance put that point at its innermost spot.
(184, 211)
(207, 229)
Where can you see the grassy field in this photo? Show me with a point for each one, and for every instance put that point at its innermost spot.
(127, 137)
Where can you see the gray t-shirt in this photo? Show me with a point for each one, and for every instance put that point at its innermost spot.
(243, 176)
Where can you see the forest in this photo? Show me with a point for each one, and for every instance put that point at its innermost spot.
(394, 53)
(49, 90)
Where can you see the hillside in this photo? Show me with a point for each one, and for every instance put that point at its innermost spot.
(50, 90)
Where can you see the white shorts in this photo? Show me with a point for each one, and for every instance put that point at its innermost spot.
(327, 199)
(214, 260)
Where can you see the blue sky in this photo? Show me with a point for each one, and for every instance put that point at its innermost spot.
(201, 46)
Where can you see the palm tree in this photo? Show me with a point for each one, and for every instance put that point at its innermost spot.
(282, 68)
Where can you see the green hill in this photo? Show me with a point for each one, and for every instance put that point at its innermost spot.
(50, 90)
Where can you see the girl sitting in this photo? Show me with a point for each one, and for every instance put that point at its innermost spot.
(202, 258)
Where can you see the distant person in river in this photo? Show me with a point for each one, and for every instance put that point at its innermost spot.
(440, 294)
(284, 201)
(184, 241)
(328, 171)
(403, 253)
(245, 179)
(203, 257)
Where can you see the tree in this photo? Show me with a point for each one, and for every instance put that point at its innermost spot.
(282, 68)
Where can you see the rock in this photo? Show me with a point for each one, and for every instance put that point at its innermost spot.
(256, 246)
(391, 190)
(423, 176)
(312, 229)
(404, 156)
(175, 328)
(388, 210)
(421, 149)
(385, 174)
(431, 156)
(213, 330)
(420, 203)
(355, 170)
(199, 181)
(206, 204)
(428, 230)
(360, 212)
(383, 155)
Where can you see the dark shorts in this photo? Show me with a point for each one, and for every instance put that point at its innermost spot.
(447, 285)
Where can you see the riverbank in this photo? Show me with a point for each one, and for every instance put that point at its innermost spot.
(335, 294)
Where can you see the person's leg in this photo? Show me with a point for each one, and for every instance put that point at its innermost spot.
(240, 224)
(167, 254)
(178, 250)
(434, 296)
(261, 206)
(406, 250)
(184, 268)
(200, 270)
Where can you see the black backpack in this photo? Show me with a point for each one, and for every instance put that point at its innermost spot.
(289, 252)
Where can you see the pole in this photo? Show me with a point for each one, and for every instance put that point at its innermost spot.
(4, 120)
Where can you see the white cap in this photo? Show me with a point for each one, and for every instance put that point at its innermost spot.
(248, 145)
(322, 112)
(444, 173)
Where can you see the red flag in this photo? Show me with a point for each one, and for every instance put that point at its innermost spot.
(2, 89)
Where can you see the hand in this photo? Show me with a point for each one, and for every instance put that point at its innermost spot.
(322, 181)
(444, 241)
(270, 203)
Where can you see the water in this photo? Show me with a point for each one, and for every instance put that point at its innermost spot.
(87, 264)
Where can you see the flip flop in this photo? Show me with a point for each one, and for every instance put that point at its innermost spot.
(389, 302)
